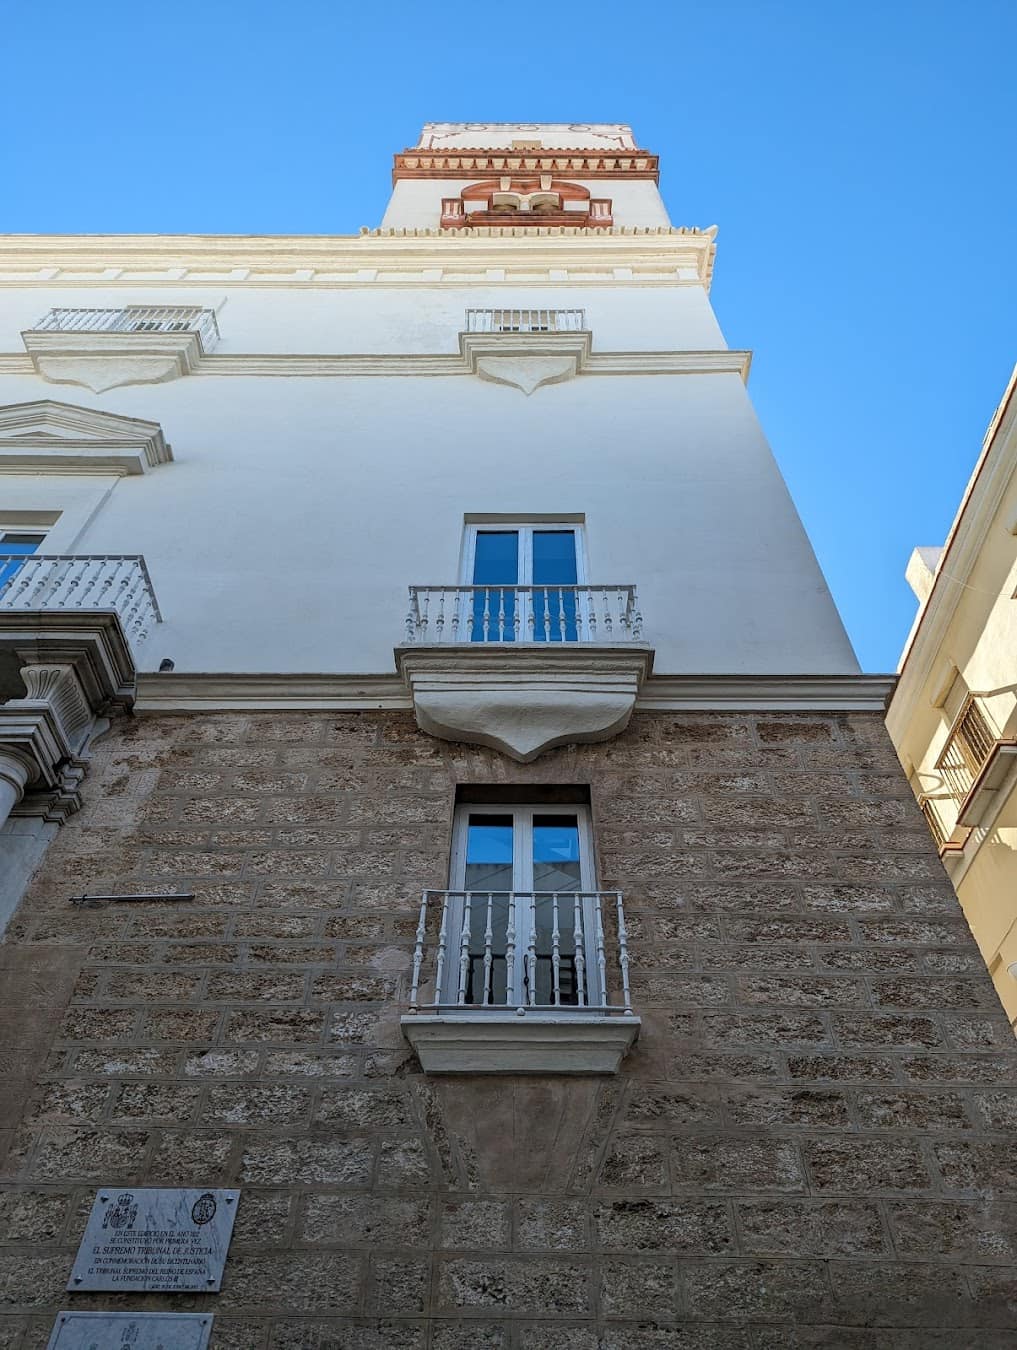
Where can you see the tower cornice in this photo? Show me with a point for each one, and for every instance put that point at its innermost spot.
(577, 162)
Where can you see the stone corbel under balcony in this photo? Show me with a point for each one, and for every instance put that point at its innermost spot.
(74, 668)
(520, 1043)
(526, 360)
(523, 700)
(101, 361)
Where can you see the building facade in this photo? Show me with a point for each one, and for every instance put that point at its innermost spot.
(953, 717)
(441, 801)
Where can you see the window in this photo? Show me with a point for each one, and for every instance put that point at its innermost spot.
(15, 546)
(523, 918)
(525, 580)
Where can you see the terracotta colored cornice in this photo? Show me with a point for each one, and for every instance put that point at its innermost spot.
(583, 163)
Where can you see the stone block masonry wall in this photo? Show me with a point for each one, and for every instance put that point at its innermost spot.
(811, 1145)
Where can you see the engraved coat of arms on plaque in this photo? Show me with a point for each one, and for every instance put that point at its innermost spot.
(150, 1240)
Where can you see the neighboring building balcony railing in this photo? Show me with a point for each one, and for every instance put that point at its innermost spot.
(134, 319)
(60, 584)
(968, 746)
(523, 952)
(937, 811)
(525, 320)
(523, 614)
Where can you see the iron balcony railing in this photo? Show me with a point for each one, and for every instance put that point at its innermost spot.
(66, 582)
(135, 319)
(968, 746)
(525, 320)
(932, 810)
(540, 951)
(453, 614)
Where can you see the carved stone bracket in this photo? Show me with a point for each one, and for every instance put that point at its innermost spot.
(74, 668)
(524, 700)
(102, 361)
(526, 360)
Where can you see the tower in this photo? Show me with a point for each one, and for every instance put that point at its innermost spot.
(445, 809)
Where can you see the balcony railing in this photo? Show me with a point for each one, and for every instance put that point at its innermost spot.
(968, 746)
(525, 320)
(135, 319)
(72, 583)
(454, 614)
(933, 809)
(539, 951)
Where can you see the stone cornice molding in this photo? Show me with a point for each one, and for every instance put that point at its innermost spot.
(287, 365)
(45, 436)
(576, 162)
(207, 692)
(376, 256)
(992, 475)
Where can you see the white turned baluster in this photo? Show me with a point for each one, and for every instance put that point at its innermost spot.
(591, 610)
(90, 576)
(555, 952)
(501, 614)
(637, 618)
(510, 949)
(598, 933)
(531, 952)
(21, 582)
(518, 600)
(487, 613)
(439, 965)
(464, 949)
(412, 618)
(547, 616)
(561, 613)
(577, 935)
(607, 617)
(439, 622)
(418, 951)
(623, 954)
(424, 617)
(457, 617)
(488, 952)
(71, 583)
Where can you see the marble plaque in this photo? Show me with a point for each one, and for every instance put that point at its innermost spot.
(131, 1331)
(145, 1239)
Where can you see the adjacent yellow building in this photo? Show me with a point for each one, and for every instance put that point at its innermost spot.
(953, 716)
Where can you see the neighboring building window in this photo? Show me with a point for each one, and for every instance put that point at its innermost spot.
(526, 578)
(523, 914)
(15, 546)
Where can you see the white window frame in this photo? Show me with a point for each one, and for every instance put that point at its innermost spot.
(522, 882)
(526, 530)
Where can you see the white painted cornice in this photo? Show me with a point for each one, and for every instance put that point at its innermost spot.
(159, 693)
(288, 365)
(979, 505)
(395, 257)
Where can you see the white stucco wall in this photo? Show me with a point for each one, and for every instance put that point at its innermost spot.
(298, 511)
(388, 318)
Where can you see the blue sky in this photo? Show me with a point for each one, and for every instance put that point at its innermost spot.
(857, 157)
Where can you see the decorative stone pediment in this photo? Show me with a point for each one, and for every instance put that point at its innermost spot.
(50, 437)
(102, 361)
(526, 360)
(523, 700)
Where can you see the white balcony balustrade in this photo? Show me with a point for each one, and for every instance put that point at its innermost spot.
(532, 950)
(523, 614)
(510, 981)
(67, 584)
(134, 319)
(525, 320)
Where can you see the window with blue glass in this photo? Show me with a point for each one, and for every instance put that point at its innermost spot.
(524, 914)
(15, 547)
(525, 583)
